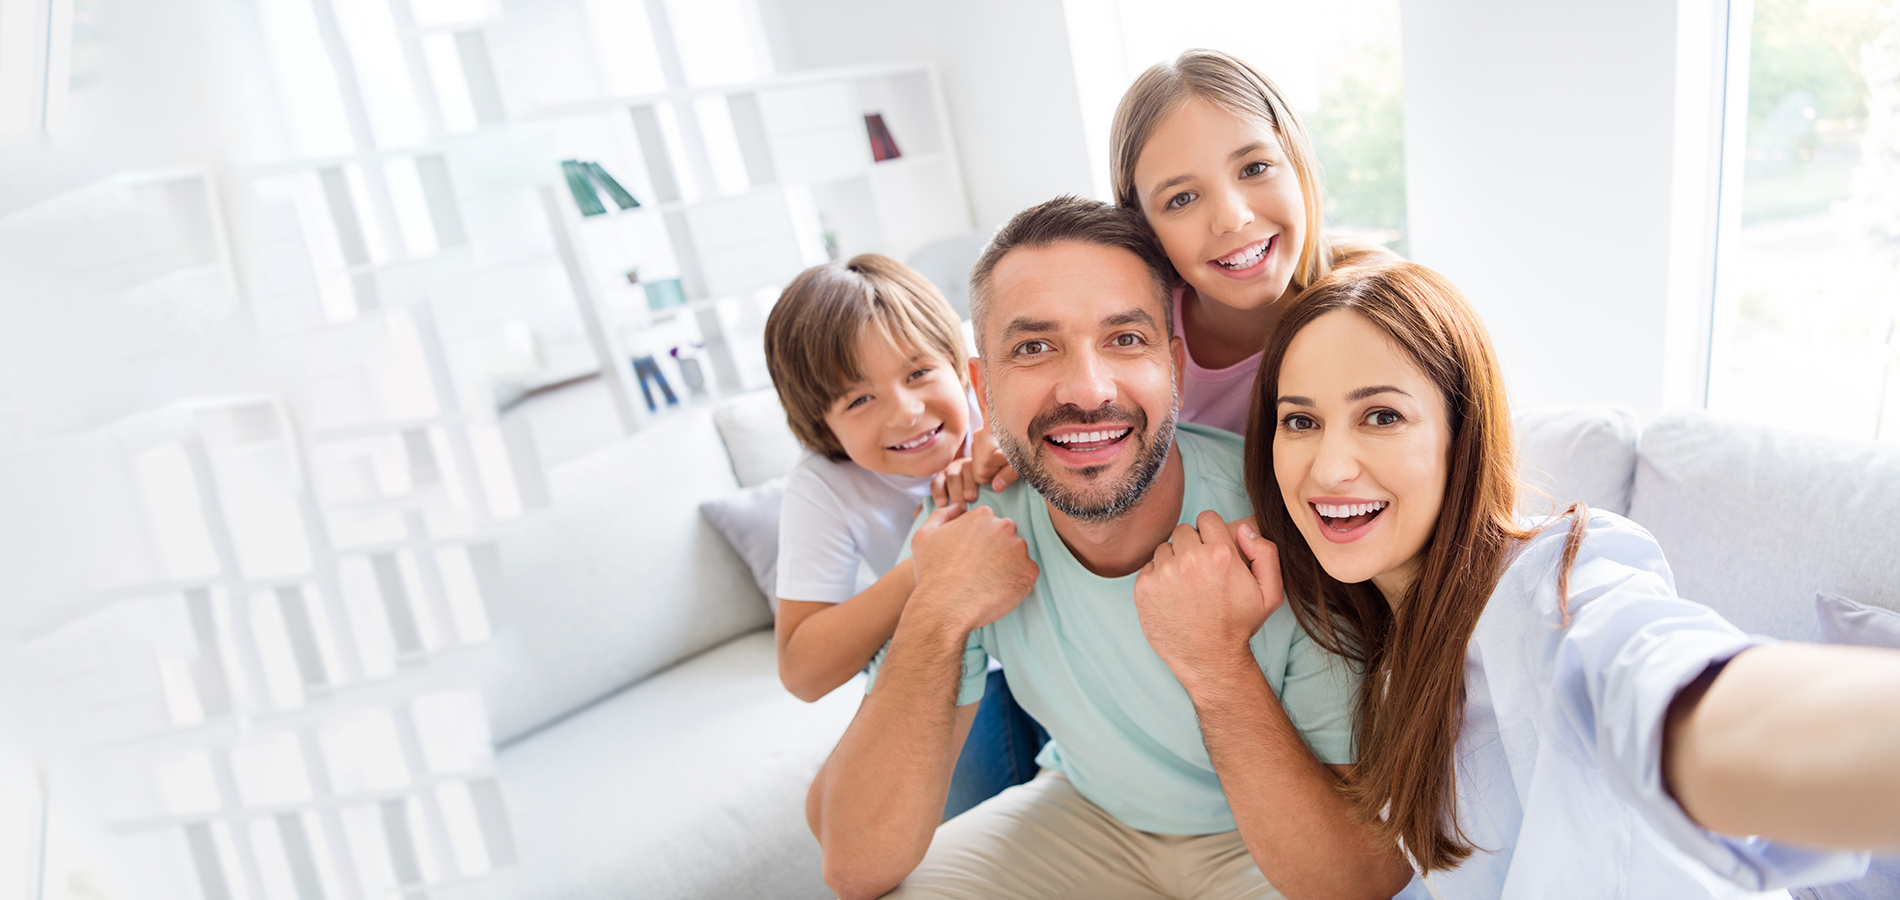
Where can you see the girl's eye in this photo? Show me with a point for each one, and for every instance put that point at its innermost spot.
(1030, 348)
(1179, 200)
(1298, 422)
(1383, 417)
(1128, 339)
(1254, 168)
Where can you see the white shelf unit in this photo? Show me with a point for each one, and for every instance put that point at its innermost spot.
(788, 177)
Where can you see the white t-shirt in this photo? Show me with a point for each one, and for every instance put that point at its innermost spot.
(841, 527)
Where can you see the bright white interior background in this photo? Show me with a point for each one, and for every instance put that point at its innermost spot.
(1561, 166)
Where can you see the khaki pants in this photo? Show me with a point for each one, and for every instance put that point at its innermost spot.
(1043, 841)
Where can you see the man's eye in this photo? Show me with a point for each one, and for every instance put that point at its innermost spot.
(1179, 200)
(1030, 348)
(1254, 168)
(1128, 339)
(1383, 417)
(1298, 422)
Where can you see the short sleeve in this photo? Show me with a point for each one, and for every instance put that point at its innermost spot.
(1319, 694)
(1631, 646)
(818, 558)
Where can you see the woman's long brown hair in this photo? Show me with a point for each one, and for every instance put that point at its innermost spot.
(1411, 650)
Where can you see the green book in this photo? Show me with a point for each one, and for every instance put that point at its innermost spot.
(622, 199)
(583, 191)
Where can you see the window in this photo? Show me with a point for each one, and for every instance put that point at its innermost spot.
(1809, 286)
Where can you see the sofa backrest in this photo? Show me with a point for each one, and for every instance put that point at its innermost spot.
(618, 578)
(1571, 453)
(1755, 520)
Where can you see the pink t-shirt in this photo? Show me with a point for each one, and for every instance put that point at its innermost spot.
(1216, 397)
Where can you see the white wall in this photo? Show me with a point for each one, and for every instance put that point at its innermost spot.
(1007, 75)
(1541, 168)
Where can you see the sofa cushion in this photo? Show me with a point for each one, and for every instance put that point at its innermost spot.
(1571, 453)
(748, 520)
(1755, 520)
(689, 784)
(1845, 622)
(760, 443)
(618, 578)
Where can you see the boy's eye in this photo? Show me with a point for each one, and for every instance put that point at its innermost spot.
(1256, 167)
(917, 374)
(1030, 348)
(857, 401)
(1383, 417)
(1298, 422)
(1179, 200)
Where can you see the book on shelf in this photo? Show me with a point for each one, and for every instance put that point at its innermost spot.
(579, 184)
(621, 197)
(883, 146)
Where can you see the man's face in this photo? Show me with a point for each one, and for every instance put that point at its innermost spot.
(1078, 372)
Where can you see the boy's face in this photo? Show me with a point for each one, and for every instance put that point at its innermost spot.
(908, 416)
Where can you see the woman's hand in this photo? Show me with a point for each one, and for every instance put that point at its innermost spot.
(1207, 592)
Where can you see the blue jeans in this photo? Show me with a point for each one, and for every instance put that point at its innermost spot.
(1000, 751)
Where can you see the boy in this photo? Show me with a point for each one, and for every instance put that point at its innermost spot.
(868, 360)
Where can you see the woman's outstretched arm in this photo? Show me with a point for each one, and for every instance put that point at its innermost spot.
(1798, 743)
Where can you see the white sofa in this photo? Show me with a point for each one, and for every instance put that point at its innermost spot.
(646, 748)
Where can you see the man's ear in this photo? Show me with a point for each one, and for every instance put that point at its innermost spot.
(976, 377)
(1177, 348)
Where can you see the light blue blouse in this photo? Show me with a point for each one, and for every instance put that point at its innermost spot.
(1559, 766)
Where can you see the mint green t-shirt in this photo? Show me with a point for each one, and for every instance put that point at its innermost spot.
(1121, 726)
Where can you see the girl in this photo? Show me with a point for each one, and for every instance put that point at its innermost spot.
(1541, 715)
(1208, 151)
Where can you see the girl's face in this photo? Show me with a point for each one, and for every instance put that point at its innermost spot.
(908, 416)
(1361, 449)
(1222, 195)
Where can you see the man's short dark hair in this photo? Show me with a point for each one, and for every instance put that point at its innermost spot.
(1071, 218)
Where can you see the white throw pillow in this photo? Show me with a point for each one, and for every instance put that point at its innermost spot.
(758, 440)
(748, 520)
(1845, 622)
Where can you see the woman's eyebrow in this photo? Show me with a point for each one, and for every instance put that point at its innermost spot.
(1365, 392)
(1353, 397)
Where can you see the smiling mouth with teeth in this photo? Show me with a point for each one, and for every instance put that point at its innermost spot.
(1347, 516)
(918, 440)
(1246, 256)
(1086, 441)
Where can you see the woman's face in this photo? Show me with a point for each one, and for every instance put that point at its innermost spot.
(1361, 449)
(1224, 199)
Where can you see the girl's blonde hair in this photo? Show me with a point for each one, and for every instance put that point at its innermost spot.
(1235, 86)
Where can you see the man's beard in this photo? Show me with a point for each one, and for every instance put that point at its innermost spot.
(1098, 503)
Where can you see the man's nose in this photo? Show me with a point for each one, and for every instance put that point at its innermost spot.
(1088, 381)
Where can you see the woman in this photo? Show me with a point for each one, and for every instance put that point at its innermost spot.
(1541, 716)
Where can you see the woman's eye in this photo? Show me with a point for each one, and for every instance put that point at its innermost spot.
(1030, 348)
(1254, 168)
(1298, 422)
(1383, 417)
(1179, 200)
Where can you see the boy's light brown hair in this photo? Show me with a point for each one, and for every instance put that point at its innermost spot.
(811, 337)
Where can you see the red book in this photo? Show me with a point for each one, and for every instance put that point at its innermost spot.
(883, 146)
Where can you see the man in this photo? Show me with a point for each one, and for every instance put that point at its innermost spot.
(1078, 366)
